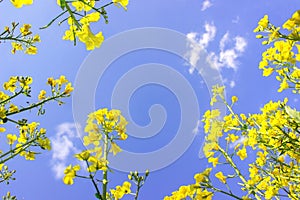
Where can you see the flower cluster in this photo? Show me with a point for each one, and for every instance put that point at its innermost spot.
(81, 14)
(21, 3)
(273, 135)
(24, 40)
(194, 191)
(103, 128)
(30, 136)
(284, 54)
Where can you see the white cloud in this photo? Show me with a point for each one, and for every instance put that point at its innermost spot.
(62, 147)
(197, 127)
(228, 58)
(240, 44)
(232, 84)
(197, 44)
(206, 4)
(224, 41)
(209, 35)
(228, 55)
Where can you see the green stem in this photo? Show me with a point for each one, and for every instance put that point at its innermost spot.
(137, 190)
(227, 193)
(36, 105)
(93, 181)
(15, 149)
(53, 20)
(106, 149)
(11, 97)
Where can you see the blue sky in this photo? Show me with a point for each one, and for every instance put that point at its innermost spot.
(224, 29)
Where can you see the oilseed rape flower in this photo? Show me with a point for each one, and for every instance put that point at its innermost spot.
(20, 3)
(123, 3)
(70, 173)
(221, 177)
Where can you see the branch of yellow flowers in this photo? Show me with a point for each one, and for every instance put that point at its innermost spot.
(16, 151)
(34, 105)
(22, 40)
(104, 127)
(80, 28)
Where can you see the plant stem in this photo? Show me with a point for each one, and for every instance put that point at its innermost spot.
(104, 187)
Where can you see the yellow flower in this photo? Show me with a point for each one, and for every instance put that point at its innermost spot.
(70, 173)
(115, 148)
(92, 17)
(20, 3)
(97, 164)
(199, 178)
(283, 85)
(232, 138)
(86, 36)
(221, 177)
(16, 47)
(262, 24)
(11, 138)
(13, 108)
(120, 191)
(84, 155)
(123, 3)
(51, 82)
(68, 88)
(234, 99)
(44, 143)
(25, 29)
(214, 161)
(11, 84)
(31, 50)
(29, 155)
(80, 6)
(242, 153)
(268, 71)
(42, 95)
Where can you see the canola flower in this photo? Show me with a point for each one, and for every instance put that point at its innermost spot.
(284, 54)
(104, 129)
(30, 138)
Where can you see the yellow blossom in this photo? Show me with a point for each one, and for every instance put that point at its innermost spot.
(221, 177)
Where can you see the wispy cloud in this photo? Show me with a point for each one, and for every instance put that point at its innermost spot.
(62, 147)
(197, 127)
(230, 49)
(199, 42)
(206, 4)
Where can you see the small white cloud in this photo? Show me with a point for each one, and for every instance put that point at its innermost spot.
(228, 56)
(197, 43)
(197, 127)
(224, 41)
(62, 147)
(232, 84)
(240, 44)
(209, 35)
(206, 4)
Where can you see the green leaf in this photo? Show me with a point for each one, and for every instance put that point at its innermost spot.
(62, 4)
